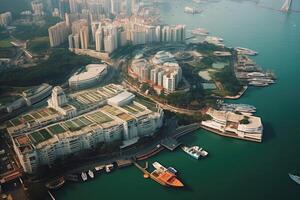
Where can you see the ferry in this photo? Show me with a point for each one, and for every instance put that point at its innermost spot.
(83, 176)
(245, 51)
(200, 31)
(195, 151)
(295, 178)
(163, 176)
(91, 174)
(245, 108)
(55, 184)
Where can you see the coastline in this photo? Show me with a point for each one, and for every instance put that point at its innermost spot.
(230, 135)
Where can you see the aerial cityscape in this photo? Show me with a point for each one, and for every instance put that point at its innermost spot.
(152, 99)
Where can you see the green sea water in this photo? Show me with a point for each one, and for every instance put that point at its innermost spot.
(234, 169)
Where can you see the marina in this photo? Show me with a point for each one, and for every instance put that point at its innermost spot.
(245, 51)
(243, 108)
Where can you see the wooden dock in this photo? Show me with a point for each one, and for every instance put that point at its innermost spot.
(148, 174)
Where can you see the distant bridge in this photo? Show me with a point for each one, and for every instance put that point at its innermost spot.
(286, 6)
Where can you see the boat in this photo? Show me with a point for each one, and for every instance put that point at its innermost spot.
(258, 83)
(215, 40)
(172, 170)
(245, 51)
(163, 176)
(191, 10)
(99, 168)
(55, 184)
(295, 178)
(200, 31)
(195, 151)
(264, 80)
(91, 174)
(245, 108)
(109, 167)
(83, 176)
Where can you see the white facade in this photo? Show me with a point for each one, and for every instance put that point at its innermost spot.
(230, 123)
(58, 98)
(5, 18)
(93, 74)
(37, 8)
(84, 37)
(163, 70)
(123, 119)
(58, 34)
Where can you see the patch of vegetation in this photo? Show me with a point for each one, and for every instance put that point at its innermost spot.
(229, 81)
(55, 70)
(245, 120)
(14, 6)
(28, 32)
(7, 52)
(5, 43)
(39, 45)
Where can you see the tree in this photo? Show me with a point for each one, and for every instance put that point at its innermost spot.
(208, 61)
(245, 120)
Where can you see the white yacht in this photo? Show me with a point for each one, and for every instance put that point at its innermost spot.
(91, 174)
(83, 176)
(295, 178)
(195, 151)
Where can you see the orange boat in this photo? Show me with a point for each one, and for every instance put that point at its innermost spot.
(165, 177)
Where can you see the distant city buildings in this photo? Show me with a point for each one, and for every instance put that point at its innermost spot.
(64, 7)
(93, 18)
(5, 18)
(80, 35)
(74, 6)
(37, 8)
(162, 72)
(58, 34)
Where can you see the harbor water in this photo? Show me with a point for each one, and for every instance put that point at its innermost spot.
(234, 169)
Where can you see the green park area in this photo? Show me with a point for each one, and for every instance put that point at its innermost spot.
(55, 70)
(39, 45)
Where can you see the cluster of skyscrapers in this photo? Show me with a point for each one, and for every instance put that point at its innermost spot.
(96, 8)
(58, 33)
(92, 27)
(37, 8)
(162, 72)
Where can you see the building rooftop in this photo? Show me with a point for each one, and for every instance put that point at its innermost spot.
(91, 71)
(121, 98)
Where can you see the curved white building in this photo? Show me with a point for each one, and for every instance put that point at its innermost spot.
(92, 74)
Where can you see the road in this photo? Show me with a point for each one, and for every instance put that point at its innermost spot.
(162, 105)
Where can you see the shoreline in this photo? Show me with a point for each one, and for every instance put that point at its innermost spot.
(229, 135)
